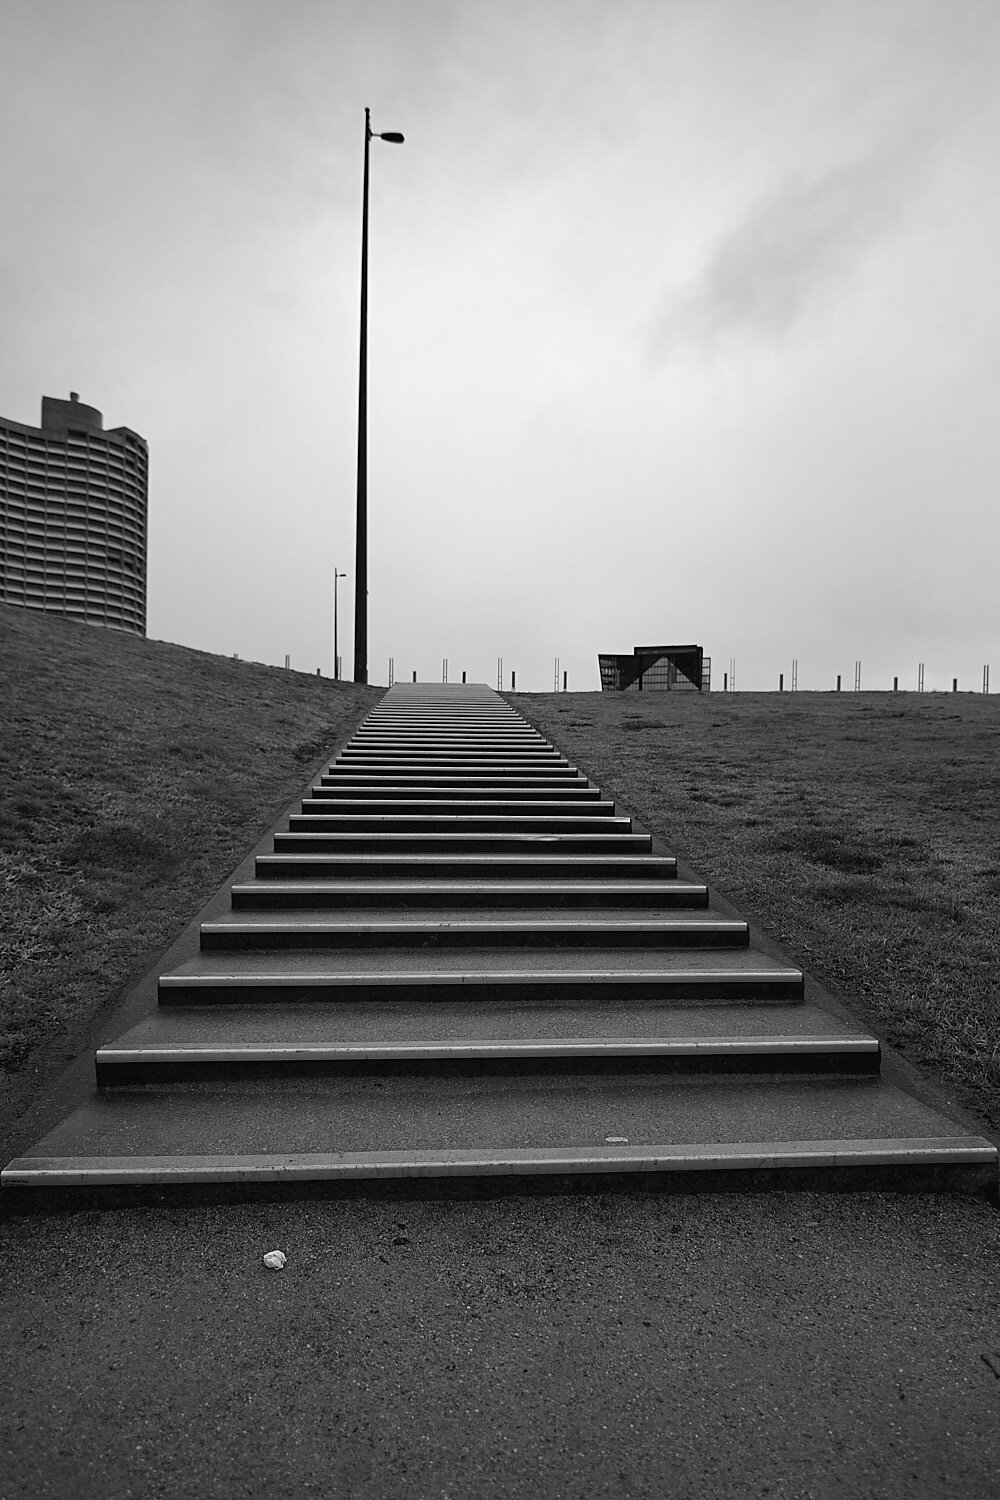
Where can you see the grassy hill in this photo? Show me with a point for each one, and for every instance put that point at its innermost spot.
(134, 775)
(861, 830)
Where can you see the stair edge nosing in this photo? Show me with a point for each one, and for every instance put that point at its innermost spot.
(556, 1047)
(306, 1166)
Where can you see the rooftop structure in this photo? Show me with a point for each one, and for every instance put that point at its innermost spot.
(657, 669)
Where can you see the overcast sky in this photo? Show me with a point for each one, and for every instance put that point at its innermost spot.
(684, 321)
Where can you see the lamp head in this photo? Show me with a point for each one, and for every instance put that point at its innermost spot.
(391, 135)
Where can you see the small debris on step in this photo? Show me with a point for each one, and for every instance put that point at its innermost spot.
(275, 1260)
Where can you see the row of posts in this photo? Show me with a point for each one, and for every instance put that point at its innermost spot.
(728, 678)
(513, 675)
(857, 679)
(444, 673)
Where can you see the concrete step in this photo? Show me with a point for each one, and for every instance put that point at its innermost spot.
(459, 742)
(733, 1131)
(384, 895)
(517, 794)
(515, 746)
(174, 1044)
(413, 713)
(460, 739)
(456, 807)
(426, 732)
(501, 773)
(433, 726)
(376, 932)
(420, 766)
(464, 759)
(490, 705)
(543, 845)
(426, 785)
(531, 866)
(333, 819)
(542, 755)
(532, 975)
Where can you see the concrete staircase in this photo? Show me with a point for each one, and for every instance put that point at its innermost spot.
(461, 960)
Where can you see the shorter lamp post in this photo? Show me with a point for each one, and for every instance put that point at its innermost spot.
(336, 658)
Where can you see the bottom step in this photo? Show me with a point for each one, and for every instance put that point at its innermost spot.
(296, 1130)
(962, 1164)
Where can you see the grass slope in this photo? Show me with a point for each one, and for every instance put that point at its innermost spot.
(861, 830)
(134, 775)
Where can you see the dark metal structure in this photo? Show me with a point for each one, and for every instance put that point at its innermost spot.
(657, 669)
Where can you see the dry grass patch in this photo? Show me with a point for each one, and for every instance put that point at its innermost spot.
(134, 776)
(861, 830)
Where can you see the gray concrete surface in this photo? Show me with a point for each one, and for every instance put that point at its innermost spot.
(495, 1117)
(717, 965)
(443, 1020)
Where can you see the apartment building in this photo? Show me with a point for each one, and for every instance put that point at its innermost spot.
(73, 511)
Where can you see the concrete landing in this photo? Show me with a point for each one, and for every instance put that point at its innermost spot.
(295, 1129)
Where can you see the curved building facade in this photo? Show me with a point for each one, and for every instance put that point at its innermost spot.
(73, 514)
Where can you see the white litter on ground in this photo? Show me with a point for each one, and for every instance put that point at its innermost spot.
(274, 1260)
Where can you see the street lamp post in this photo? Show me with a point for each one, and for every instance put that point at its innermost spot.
(336, 658)
(361, 552)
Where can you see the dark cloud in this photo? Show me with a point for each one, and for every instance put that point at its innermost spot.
(763, 274)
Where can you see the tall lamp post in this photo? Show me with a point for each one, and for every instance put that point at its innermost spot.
(361, 553)
(336, 658)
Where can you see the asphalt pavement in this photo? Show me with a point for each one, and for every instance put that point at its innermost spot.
(631, 1343)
